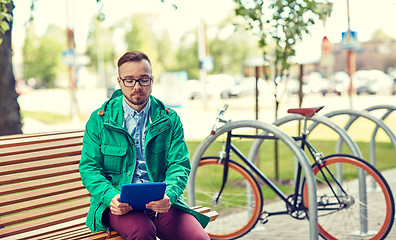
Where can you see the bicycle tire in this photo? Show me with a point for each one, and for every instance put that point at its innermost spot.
(349, 221)
(240, 204)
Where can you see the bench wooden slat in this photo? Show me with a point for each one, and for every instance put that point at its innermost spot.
(43, 222)
(42, 202)
(212, 214)
(58, 232)
(40, 138)
(39, 183)
(41, 233)
(50, 135)
(38, 146)
(102, 235)
(43, 164)
(44, 212)
(76, 234)
(44, 173)
(202, 209)
(40, 155)
(40, 193)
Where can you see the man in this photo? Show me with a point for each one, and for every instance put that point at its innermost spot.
(133, 137)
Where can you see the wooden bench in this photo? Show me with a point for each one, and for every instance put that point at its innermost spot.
(41, 194)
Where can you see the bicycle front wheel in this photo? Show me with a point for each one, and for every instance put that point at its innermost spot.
(239, 204)
(348, 207)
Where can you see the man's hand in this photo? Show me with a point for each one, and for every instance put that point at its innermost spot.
(161, 206)
(117, 207)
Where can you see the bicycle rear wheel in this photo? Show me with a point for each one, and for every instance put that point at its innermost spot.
(240, 203)
(354, 211)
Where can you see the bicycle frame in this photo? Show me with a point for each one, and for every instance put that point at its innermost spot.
(291, 205)
(262, 176)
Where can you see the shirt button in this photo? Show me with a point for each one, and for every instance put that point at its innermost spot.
(137, 142)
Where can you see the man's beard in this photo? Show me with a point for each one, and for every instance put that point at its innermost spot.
(140, 100)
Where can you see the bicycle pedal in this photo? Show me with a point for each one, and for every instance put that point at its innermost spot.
(264, 217)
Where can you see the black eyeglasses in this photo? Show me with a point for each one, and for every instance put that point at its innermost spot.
(130, 82)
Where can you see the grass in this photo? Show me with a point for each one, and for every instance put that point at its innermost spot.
(385, 155)
(49, 117)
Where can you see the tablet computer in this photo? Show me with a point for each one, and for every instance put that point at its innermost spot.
(139, 194)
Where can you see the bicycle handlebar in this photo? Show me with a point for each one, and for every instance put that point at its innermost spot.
(222, 110)
(218, 119)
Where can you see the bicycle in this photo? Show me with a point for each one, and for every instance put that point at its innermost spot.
(233, 188)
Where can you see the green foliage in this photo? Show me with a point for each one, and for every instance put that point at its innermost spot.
(187, 57)
(230, 49)
(5, 17)
(141, 36)
(100, 45)
(42, 57)
(282, 22)
(379, 34)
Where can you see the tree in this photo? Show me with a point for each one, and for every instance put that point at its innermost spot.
(141, 35)
(41, 55)
(230, 47)
(187, 56)
(379, 34)
(280, 24)
(10, 120)
(100, 45)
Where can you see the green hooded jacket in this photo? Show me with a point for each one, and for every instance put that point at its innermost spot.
(108, 157)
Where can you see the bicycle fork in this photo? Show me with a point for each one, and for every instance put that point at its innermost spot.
(224, 157)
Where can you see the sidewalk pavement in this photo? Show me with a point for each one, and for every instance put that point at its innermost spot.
(284, 227)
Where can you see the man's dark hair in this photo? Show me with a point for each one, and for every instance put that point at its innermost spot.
(134, 56)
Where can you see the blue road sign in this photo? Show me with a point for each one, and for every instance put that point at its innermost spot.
(349, 40)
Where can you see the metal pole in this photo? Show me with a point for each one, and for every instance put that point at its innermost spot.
(351, 62)
(74, 111)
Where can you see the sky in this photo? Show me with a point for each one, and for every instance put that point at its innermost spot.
(366, 16)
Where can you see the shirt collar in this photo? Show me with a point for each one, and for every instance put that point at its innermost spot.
(131, 112)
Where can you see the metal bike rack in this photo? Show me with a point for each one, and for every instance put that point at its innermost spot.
(353, 147)
(344, 136)
(355, 114)
(277, 132)
(389, 109)
(316, 120)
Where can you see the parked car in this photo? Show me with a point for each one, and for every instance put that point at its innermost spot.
(217, 86)
(372, 82)
(244, 86)
(311, 83)
(192, 89)
(338, 83)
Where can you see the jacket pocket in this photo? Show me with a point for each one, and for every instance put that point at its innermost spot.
(113, 158)
(161, 143)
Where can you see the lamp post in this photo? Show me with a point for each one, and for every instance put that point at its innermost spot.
(351, 62)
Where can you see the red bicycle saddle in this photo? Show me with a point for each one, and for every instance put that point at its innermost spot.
(306, 112)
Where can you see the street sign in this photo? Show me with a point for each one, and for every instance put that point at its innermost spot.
(349, 40)
(326, 45)
(207, 64)
(68, 57)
